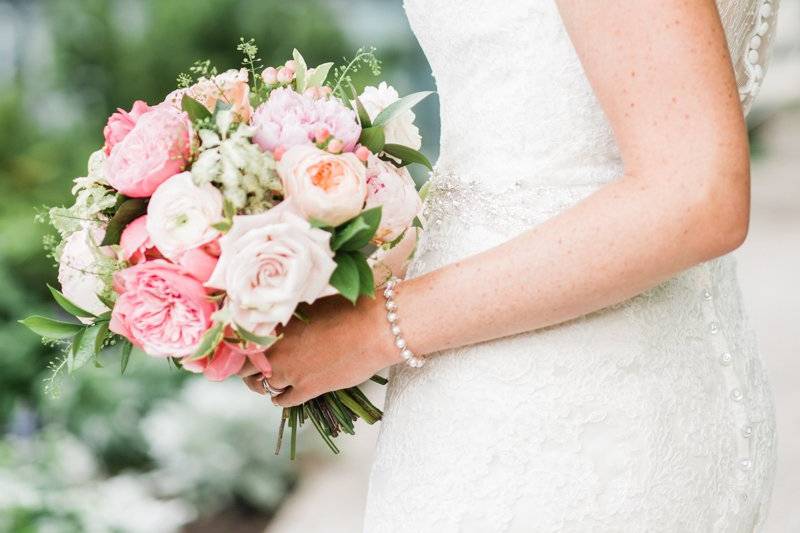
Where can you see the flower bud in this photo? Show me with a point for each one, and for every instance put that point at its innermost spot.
(285, 75)
(270, 75)
(363, 153)
(321, 135)
(335, 146)
(291, 65)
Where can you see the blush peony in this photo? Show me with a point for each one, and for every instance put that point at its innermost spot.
(394, 190)
(289, 119)
(324, 187)
(160, 309)
(156, 148)
(268, 264)
(121, 123)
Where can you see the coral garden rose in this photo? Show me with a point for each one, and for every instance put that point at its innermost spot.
(230, 87)
(399, 130)
(161, 309)
(289, 119)
(228, 359)
(156, 148)
(394, 190)
(268, 264)
(121, 123)
(180, 215)
(324, 187)
(135, 243)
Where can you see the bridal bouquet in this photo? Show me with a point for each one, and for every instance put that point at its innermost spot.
(207, 220)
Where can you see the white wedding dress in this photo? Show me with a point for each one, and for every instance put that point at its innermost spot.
(651, 415)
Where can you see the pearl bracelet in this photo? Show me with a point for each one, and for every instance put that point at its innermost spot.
(391, 315)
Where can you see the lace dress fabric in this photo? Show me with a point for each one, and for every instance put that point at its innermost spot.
(651, 415)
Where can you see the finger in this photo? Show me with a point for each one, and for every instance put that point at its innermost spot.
(248, 370)
(277, 381)
(256, 384)
(291, 397)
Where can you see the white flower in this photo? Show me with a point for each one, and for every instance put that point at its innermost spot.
(394, 190)
(399, 130)
(268, 264)
(180, 215)
(325, 187)
(82, 269)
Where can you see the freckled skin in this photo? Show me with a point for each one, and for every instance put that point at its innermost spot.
(683, 198)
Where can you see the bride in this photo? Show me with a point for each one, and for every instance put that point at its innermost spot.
(588, 364)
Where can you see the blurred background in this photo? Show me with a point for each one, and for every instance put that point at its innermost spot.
(159, 451)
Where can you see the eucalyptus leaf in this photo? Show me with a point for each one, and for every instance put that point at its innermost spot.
(67, 305)
(319, 75)
(194, 109)
(125, 356)
(264, 341)
(129, 210)
(50, 328)
(373, 138)
(400, 106)
(300, 71)
(345, 278)
(407, 155)
(363, 116)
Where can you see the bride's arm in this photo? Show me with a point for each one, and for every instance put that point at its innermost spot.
(661, 71)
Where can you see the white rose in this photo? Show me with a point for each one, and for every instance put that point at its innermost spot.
(326, 187)
(399, 130)
(180, 215)
(268, 264)
(79, 269)
(394, 190)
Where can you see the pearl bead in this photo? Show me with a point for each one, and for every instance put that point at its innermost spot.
(390, 305)
(746, 464)
(763, 29)
(388, 293)
(725, 358)
(747, 432)
(752, 56)
(755, 42)
(391, 317)
(766, 10)
(400, 343)
(391, 284)
(713, 327)
(395, 330)
(406, 354)
(737, 395)
(706, 294)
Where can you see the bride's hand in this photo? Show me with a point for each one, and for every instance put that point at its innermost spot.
(340, 346)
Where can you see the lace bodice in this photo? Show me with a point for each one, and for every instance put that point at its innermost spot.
(651, 415)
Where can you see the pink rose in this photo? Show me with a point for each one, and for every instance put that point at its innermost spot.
(121, 123)
(288, 119)
(325, 187)
(228, 360)
(156, 148)
(269, 263)
(160, 309)
(394, 190)
(135, 243)
(230, 87)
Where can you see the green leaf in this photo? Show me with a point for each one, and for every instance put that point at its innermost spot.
(223, 226)
(84, 347)
(209, 342)
(416, 223)
(228, 209)
(425, 190)
(51, 329)
(407, 155)
(319, 76)
(363, 116)
(128, 211)
(125, 356)
(345, 278)
(300, 71)
(400, 106)
(373, 138)
(108, 302)
(366, 281)
(266, 340)
(101, 337)
(194, 109)
(357, 232)
(67, 305)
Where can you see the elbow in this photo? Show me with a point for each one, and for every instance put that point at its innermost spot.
(724, 210)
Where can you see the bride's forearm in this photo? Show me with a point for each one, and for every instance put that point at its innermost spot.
(625, 238)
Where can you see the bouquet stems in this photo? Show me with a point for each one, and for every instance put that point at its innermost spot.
(331, 414)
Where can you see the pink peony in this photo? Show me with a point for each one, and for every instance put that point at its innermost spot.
(230, 87)
(160, 309)
(394, 190)
(289, 119)
(156, 148)
(121, 123)
(135, 243)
